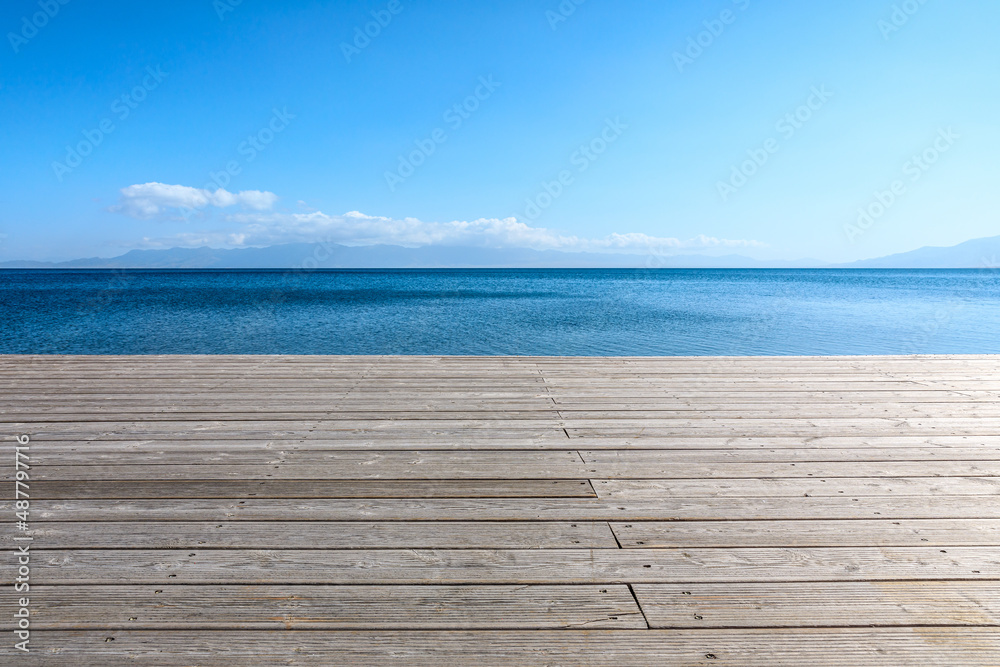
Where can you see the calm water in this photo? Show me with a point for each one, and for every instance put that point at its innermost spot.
(529, 312)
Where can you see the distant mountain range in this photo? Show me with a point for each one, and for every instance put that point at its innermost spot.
(975, 254)
(305, 255)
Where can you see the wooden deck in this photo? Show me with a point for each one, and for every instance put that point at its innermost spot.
(505, 511)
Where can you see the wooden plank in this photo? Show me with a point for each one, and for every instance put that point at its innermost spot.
(508, 566)
(426, 397)
(180, 487)
(746, 387)
(386, 407)
(840, 647)
(83, 451)
(103, 431)
(723, 397)
(621, 489)
(448, 438)
(332, 411)
(211, 446)
(44, 454)
(244, 428)
(854, 487)
(513, 509)
(554, 436)
(844, 604)
(818, 533)
(317, 535)
(333, 607)
(430, 467)
(636, 457)
(974, 428)
(830, 425)
(814, 377)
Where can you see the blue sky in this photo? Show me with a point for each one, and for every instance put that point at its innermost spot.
(363, 144)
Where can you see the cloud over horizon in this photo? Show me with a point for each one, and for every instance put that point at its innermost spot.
(147, 200)
(261, 227)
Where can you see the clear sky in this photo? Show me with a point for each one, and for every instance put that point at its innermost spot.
(581, 125)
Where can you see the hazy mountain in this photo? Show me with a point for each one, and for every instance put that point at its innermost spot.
(304, 255)
(975, 254)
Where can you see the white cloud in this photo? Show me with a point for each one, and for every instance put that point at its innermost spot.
(355, 228)
(263, 228)
(148, 200)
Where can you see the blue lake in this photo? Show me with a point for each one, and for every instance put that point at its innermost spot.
(501, 312)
